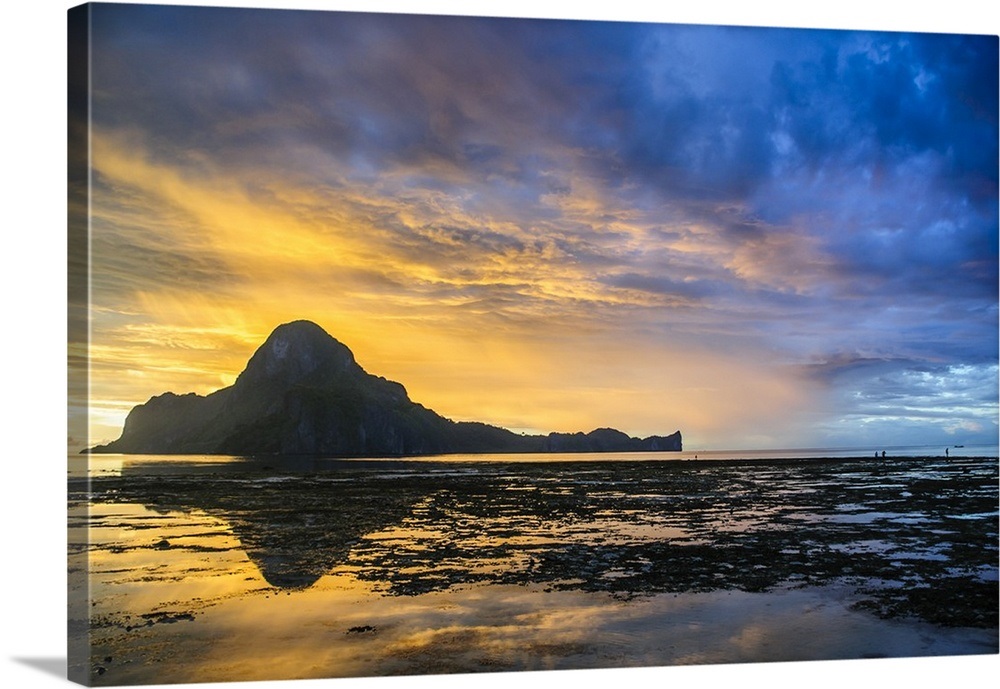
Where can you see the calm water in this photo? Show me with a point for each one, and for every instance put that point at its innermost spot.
(96, 465)
(206, 568)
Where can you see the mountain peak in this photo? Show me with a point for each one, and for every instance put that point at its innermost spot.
(297, 350)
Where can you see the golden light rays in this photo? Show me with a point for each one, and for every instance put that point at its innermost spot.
(524, 321)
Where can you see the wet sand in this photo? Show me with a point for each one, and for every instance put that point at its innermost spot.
(262, 569)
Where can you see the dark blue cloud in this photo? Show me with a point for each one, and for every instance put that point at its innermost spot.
(893, 96)
(410, 89)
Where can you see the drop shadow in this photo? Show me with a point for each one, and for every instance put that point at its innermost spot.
(55, 666)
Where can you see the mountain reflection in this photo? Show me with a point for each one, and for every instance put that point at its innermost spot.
(627, 528)
(296, 518)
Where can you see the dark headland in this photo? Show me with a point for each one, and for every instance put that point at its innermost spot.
(302, 392)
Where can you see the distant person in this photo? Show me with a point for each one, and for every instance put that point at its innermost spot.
(883, 454)
(946, 452)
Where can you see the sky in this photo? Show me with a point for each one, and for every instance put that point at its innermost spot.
(761, 237)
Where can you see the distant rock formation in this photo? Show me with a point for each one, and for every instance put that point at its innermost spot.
(302, 392)
(611, 440)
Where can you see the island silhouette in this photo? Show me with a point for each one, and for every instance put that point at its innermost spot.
(303, 393)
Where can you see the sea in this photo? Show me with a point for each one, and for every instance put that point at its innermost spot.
(723, 454)
(97, 464)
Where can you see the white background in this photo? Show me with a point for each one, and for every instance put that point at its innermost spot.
(32, 336)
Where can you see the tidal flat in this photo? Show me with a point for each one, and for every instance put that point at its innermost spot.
(213, 569)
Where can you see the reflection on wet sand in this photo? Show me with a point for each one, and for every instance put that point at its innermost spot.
(387, 568)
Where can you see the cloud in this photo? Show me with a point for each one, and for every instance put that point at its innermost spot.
(768, 196)
(663, 286)
(877, 398)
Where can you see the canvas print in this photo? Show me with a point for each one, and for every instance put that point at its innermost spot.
(412, 344)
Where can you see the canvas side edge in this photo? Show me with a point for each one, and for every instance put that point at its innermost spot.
(78, 340)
